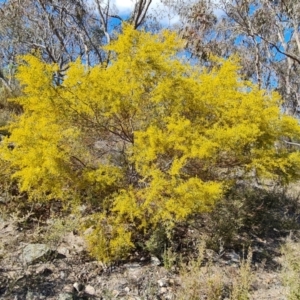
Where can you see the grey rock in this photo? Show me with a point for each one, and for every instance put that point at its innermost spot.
(62, 275)
(65, 296)
(163, 282)
(132, 266)
(64, 251)
(231, 257)
(155, 261)
(3, 200)
(72, 244)
(234, 257)
(78, 287)
(211, 254)
(33, 253)
(89, 290)
(163, 290)
(32, 296)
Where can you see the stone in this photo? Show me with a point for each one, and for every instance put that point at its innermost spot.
(65, 296)
(3, 200)
(33, 253)
(62, 275)
(68, 289)
(63, 251)
(78, 287)
(73, 243)
(163, 282)
(155, 261)
(32, 296)
(89, 290)
(211, 254)
(132, 266)
(163, 290)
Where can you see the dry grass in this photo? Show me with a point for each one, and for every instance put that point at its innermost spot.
(203, 279)
(291, 268)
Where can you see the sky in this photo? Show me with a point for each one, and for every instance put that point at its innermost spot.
(126, 6)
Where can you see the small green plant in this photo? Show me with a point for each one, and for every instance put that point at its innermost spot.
(59, 228)
(169, 258)
(157, 242)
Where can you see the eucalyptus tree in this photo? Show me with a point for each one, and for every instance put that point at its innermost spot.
(265, 35)
(60, 31)
(272, 29)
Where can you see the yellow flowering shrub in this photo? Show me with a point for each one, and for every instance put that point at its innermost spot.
(148, 138)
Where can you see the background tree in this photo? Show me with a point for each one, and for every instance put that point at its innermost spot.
(58, 32)
(61, 31)
(265, 34)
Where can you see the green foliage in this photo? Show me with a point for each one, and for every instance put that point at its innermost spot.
(58, 229)
(158, 242)
(149, 139)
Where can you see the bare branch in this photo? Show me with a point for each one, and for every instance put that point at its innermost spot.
(140, 10)
(292, 143)
(104, 20)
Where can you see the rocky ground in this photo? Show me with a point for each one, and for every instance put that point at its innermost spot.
(32, 270)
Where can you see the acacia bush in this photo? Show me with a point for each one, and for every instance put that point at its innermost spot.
(147, 138)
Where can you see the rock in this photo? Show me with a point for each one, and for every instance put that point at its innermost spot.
(78, 287)
(231, 257)
(121, 284)
(63, 251)
(33, 253)
(4, 201)
(72, 242)
(32, 296)
(68, 289)
(132, 266)
(155, 261)
(163, 282)
(115, 293)
(163, 290)
(134, 271)
(65, 296)
(89, 290)
(211, 254)
(62, 275)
